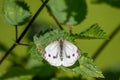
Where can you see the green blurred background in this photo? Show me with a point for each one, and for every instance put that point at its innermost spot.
(105, 14)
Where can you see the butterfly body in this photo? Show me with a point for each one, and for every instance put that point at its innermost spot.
(61, 53)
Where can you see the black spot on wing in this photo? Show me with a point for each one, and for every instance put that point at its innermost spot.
(44, 53)
(49, 55)
(68, 57)
(73, 54)
(78, 52)
(54, 57)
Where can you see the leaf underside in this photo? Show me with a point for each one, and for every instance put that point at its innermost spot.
(67, 13)
(15, 12)
(94, 32)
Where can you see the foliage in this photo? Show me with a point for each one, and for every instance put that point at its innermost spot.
(114, 3)
(85, 65)
(94, 32)
(16, 12)
(68, 13)
(51, 36)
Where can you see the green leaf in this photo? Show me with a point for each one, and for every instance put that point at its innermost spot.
(83, 66)
(113, 3)
(20, 73)
(71, 78)
(34, 54)
(38, 28)
(41, 41)
(86, 67)
(68, 11)
(15, 12)
(55, 35)
(94, 32)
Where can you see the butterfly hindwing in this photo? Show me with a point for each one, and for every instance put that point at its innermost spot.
(51, 54)
(61, 53)
(70, 54)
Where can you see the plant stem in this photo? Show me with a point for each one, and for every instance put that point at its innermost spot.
(6, 54)
(23, 44)
(16, 32)
(24, 32)
(34, 17)
(97, 53)
(50, 12)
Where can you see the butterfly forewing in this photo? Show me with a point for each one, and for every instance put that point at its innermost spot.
(61, 53)
(51, 54)
(70, 54)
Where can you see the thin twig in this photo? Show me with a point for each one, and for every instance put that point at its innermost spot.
(6, 54)
(97, 53)
(16, 32)
(50, 12)
(24, 32)
(23, 44)
(34, 17)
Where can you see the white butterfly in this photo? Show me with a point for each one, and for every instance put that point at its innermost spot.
(61, 53)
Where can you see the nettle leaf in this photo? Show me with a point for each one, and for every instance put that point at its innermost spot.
(15, 12)
(94, 32)
(83, 66)
(55, 35)
(86, 67)
(41, 41)
(68, 11)
(34, 54)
